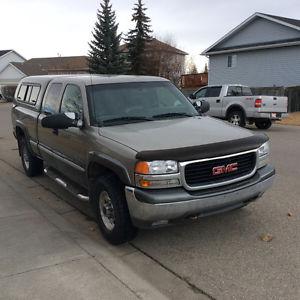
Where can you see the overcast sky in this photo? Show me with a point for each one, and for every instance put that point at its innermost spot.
(42, 28)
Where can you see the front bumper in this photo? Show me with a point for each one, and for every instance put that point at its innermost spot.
(150, 208)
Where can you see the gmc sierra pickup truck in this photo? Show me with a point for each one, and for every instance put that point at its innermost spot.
(136, 150)
(238, 105)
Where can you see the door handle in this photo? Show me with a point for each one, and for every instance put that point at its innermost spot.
(218, 100)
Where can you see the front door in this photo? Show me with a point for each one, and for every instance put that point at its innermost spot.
(212, 96)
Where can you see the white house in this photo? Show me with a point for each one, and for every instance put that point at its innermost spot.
(9, 74)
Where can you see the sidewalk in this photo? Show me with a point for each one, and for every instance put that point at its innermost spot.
(45, 254)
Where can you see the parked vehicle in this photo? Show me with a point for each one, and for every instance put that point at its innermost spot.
(136, 149)
(238, 105)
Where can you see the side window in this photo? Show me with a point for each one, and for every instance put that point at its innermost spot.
(214, 91)
(246, 91)
(29, 89)
(72, 100)
(231, 61)
(234, 91)
(22, 93)
(34, 95)
(201, 93)
(51, 101)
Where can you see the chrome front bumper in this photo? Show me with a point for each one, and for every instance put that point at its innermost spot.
(149, 208)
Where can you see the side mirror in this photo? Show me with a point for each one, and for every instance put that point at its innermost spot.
(202, 106)
(62, 121)
(192, 96)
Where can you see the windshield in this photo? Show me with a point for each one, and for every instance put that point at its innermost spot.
(112, 104)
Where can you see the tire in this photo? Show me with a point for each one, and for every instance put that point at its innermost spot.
(110, 208)
(32, 165)
(236, 117)
(263, 124)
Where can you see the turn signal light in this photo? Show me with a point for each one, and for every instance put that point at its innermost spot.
(142, 167)
(258, 103)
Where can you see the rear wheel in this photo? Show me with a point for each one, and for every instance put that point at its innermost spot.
(263, 124)
(32, 165)
(236, 117)
(111, 211)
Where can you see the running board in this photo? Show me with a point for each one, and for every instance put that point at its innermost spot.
(67, 184)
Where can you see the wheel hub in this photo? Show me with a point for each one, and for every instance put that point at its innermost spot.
(107, 212)
(235, 119)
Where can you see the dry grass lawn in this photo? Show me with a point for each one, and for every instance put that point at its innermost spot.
(292, 119)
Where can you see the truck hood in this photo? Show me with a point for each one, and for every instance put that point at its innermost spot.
(178, 134)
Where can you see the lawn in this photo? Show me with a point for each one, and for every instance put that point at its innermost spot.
(292, 119)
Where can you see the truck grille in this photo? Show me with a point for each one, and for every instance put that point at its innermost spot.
(219, 171)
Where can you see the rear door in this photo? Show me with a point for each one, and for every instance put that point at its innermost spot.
(214, 100)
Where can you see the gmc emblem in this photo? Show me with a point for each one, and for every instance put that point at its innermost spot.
(225, 169)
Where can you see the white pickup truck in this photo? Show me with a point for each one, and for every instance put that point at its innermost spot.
(238, 105)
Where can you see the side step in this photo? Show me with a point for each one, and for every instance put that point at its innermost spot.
(79, 193)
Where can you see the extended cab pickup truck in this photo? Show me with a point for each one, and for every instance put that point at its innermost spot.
(136, 150)
(238, 105)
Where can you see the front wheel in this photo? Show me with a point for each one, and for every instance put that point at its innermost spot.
(263, 124)
(236, 117)
(110, 207)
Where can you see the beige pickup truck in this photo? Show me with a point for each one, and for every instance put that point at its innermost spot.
(136, 150)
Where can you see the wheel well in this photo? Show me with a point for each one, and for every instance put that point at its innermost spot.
(19, 132)
(235, 108)
(95, 170)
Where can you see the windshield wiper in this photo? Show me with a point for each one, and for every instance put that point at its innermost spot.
(127, 119)
(173, 115)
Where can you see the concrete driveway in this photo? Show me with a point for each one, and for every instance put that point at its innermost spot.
(50, 249)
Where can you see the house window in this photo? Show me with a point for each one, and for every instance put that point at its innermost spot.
(231, 61)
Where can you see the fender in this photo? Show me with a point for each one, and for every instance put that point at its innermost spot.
(110, 163)
(237, 106)
(23, 128)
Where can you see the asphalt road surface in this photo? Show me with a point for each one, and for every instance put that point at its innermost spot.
(219, 257)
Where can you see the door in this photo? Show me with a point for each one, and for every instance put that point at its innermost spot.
(212, 96)
(72, 142)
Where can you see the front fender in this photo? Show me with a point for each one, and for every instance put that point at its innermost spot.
(109, 163)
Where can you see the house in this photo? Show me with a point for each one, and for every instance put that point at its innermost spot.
(263, 51)
(61, 64)
(162, 59)
(8, 73)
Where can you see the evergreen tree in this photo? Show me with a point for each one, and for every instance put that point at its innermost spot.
(104, 55)
(137, 39)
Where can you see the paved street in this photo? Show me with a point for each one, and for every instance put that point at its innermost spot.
(49, 249)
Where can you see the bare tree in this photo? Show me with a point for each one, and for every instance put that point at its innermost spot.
(164, 61)
(191, 67)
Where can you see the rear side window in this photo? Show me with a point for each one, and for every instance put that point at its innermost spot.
(246, 91)
(51, 102)
(29, 93)
(234, 91)
(22, 93)
(214, 91)
(34, 95)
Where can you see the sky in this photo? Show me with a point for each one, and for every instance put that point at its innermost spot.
(45, 28)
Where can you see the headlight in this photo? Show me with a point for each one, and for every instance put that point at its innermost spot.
(157, 167)
(263, 154)
(157, 174)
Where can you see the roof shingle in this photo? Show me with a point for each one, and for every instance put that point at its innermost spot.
(2, 52)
